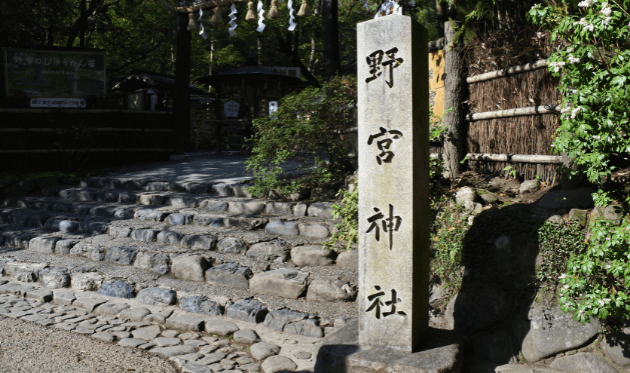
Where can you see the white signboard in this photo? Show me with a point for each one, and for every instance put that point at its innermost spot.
(273, 107)
(230, 109)
(58, 102)
(290, 71)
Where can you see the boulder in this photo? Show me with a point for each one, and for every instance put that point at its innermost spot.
(578, 215)
(229, 274)
(183, 202)
(281, 227)
(221, 328)
(222, 190)
(135, 314)
(199, 242)
(119, 232)
(349, 259)
(246, 336)
(209, 220)
(152, 199)
(247, 224)
(249, 310)
(313, 230)
(189, 267)
(232, 245)
(552, 331)
(63, 247)
(278, 363)
(321, 210)
(616, 347)
(153, 261)
(241, 191)
(271, 250)
(200, 304)
(488, 198)
(150, 214)
(288, 321)
(465, 194)
(251, 207)
(312, 255)
(121, 255)
(179, 219)
(278, 208)
(145, 235)
(86, 281)
(169, 237)
(44, 245)
(583, 362)
(284, 282)
(157, 296)
(185, 323)
(477, 307)
(68, 226)
(331, 290)
(529, 186)
(263, 350)
(118, 288)
(54, 277)
(213, 205)
(300, 209)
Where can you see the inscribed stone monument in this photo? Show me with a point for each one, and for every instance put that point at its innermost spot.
(393, 182)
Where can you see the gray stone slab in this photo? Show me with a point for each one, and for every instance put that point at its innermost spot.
(121, 255)
(200, 304)
(263, 350)
(118, 288)
(104, 336)
(284, 282)
(41, 295)
(247, 310)
(134, 314)
(63, 298)
(173, 351)
(148, 332)
(153, 261)
(45, 245)
(278, 364)
(185, 323)
(131, 342)
(229, 274)
(189, 267)
(169, 237)
(88, 304)
(341, 353)
(221, 328)
(281, 227)
(271, 250)
(166, 342)
(232, 245)
(583, 362)
(312, 255)
(157, 296)
(393, 160)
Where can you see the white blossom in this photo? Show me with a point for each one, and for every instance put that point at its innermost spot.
(570, 49)
(587, 26)
(601, 302)
(581, 312)
(575, 91)
(573, 59)
(564, 275)
(606, 11)
(597, 137)
(539, 35)
(557, 65)
(536, 6)
(575, 111)
(586, 3)
(607, 19)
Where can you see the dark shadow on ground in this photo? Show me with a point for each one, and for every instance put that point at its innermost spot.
(499, 255)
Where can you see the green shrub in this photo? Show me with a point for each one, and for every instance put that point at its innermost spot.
(306, 129)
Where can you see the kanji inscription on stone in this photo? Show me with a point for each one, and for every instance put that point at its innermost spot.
(393, 126)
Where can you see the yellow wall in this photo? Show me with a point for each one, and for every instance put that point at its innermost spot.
(436, 82)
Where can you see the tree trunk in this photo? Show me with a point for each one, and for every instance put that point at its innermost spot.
(442, 17)
(181, 101)
(330, 35)
(453, 90)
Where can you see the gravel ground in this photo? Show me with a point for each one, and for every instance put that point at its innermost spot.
(27, 347)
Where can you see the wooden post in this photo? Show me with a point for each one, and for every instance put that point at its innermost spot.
(330, 34)
(453, 91)
(181, 101)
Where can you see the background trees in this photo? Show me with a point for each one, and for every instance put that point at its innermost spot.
(140, 34)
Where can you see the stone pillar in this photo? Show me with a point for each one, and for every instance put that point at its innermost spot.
(393, 104)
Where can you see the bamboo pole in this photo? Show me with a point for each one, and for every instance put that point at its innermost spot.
(511, 70)
(533, 110)
(517, 158)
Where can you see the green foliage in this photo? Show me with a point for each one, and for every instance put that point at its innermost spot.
(596, 282)
(557, 242)
(348, 210)
(306, 131)
(447, 243)
(593, 63)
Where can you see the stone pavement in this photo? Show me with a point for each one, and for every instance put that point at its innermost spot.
(157, 249)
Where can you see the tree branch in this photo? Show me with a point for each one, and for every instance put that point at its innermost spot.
(142, 56)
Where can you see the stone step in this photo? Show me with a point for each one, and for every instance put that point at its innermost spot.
(281, 283)
(246, 337)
